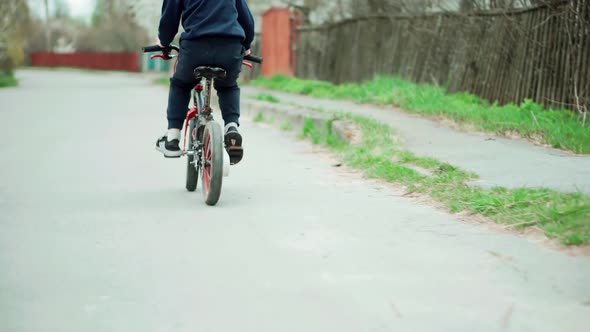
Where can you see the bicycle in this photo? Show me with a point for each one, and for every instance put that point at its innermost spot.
(206, 156)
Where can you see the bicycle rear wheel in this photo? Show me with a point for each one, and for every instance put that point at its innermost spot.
(192, 167)
(212, 163)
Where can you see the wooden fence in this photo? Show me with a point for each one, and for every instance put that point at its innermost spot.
(541, 53)
(249, 74)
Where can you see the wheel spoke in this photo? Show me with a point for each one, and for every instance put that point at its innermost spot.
(207, 163)
(211, 162)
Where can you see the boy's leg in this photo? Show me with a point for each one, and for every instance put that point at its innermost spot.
(229, 102)
(181, 84)
(229, 55)
(178, 99)
(228, 92)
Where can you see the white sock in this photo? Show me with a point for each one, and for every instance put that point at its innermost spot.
(231, 124)
(173, 134)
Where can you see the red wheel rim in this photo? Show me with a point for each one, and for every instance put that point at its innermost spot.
(207, 163)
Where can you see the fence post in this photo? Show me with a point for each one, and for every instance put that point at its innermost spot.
(279, 28)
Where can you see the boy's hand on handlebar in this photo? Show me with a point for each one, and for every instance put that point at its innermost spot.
(159, 43)
(248, 52)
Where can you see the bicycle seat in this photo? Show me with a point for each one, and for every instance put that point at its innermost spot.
(210, 72)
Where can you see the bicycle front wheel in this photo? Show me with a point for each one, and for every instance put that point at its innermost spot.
(212, 165)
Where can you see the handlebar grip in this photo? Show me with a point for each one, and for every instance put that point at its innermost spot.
(253, 58)
(152, 48)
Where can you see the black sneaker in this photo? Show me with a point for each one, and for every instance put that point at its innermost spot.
(233, 145)
(170, 149)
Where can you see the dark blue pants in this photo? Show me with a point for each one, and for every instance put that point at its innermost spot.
(219, 52)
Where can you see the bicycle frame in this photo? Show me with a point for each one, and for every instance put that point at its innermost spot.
(206, 155)
(197, 119)
(204, 114)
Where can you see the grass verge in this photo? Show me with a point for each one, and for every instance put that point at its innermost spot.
(7, 80)
(557, 128)
(259, 117)
(286, 126)
(162, 81)
(268, 98)
(563, 216)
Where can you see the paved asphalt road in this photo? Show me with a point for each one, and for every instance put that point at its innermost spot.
(98, 234)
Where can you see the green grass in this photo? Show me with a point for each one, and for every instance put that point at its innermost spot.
(286, 126)
(162, 81)
(557, 128)
(268, 98)
(259, 117)
(311, 131)
(563, 216)
(7, 80)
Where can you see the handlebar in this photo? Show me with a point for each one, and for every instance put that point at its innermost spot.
(253, 58)
(166, 53)
(157, 48)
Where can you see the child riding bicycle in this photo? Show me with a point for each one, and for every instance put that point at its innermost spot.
(216, 32)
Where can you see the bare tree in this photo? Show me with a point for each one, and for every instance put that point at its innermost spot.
(114, 28)
(13, 30)
(61, 10)
(47, 30)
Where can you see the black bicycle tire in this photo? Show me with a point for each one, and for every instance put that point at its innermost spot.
(192, 173)
(216, 178)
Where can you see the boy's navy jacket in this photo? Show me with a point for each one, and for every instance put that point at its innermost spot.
(206, 18)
